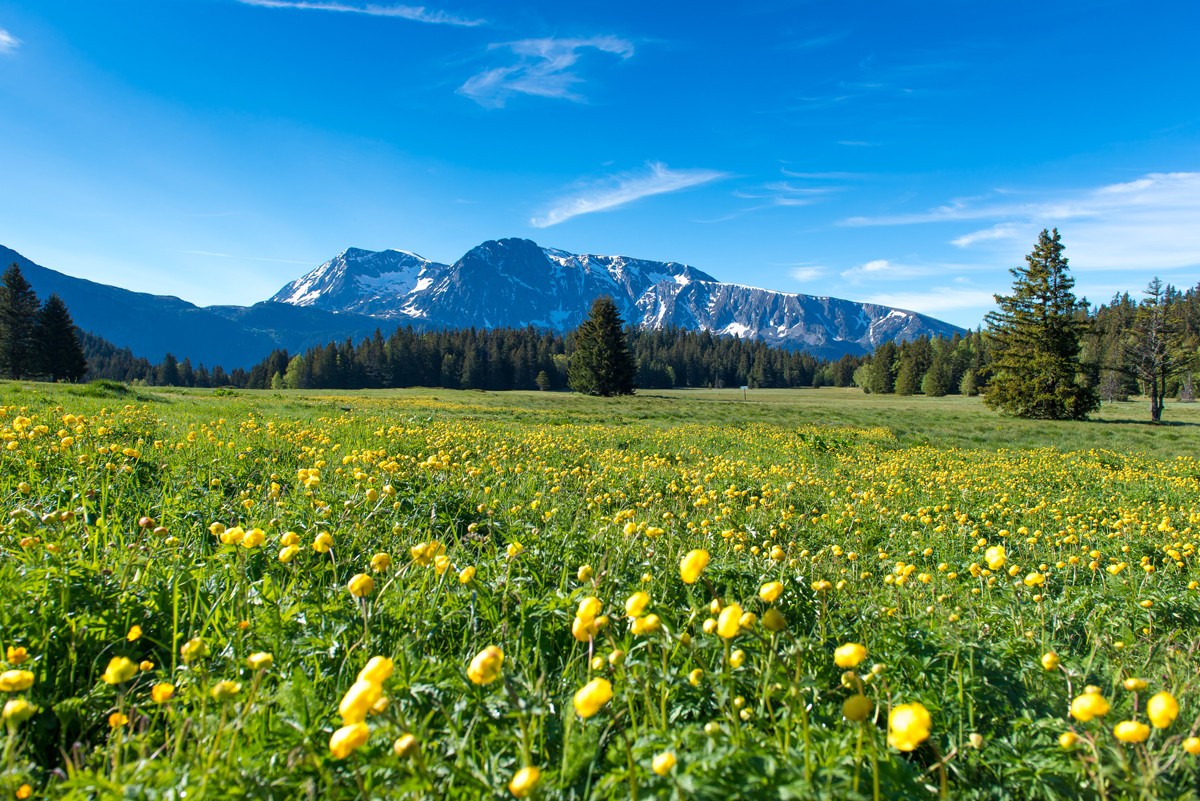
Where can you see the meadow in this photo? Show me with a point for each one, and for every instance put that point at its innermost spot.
(461, 595)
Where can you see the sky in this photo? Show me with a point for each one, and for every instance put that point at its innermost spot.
(898, 153)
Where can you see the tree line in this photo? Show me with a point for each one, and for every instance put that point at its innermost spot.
(1047, 355)
(37, 340)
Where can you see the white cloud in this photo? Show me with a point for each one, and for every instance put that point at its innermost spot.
(884, 270)
(936, 300)
(622, 189)
(806, 273)
(996, 232)
(8, 42)
(414, 13)
(542, 70)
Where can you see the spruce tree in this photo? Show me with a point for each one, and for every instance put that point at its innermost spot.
(602, 363)
(1035, 337)
(18, 309)
(1150, 345)
(59, 351)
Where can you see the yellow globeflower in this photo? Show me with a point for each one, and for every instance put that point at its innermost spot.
(1034, 580)
(225, 689)
(358, 700)
(1131, 731)
(1088, 706)
(857, 707)
(259, 661)
(18, 710)
(588, 608)
(485, 667)
(361, 585)
(380, 562)
(692, 565)
(663, 762)
(849, 655)
(322, 544)
(729, 622)
(348, 739)
(636, 604)
(1067, 739)
(770, 591)
(525, 781)
(466, 575)
(995, 557)
(406, 745)
(119, 670)
(1050, 661)
(908, 726)
(288, 553)
(163, 692)
(17, 655)
(378, 669)
(773, 620)
(15, 681)
(592, 696)
(193, 649)
(1162, 709)
(1135, 684)
(1192, 746)
(135, 631)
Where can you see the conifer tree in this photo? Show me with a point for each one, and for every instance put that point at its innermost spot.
(59, 351)
(1150, 347)
(602, 363)
(1035, 337)
(18, 308)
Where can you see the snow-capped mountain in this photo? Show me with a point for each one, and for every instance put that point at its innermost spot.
(515, 283)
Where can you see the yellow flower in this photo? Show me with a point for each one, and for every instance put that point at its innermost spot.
(1067, 739)
(289, 538)
(466, 575)
(525, 781)
(1089, 705)
(18, 710)
(119, 670)
(770, 591)
(663, 762)
(1192, 746)
(729, 621)
(1135, 684)
(588, 608)
(584, 573)
(773, 620)
(737, 659)
(135, 631)
(1131, 731)
(857, 707)
(254, 538)
(348, 739)
(117, 719)
(692, 565)
(161, 693)
(695, 677)
(358, 700)
(361, 585)
(193, 649)
(636, 604)
(908, 726)
(145, 666)
(1050, 660)
(849, 655)
(17, 655)
(485, 667)
(378, 669)
(592, 696)
(287, 553)
(259, 661)
(1034, 580)
(1162, 709)
(406, 745)
(322, 544)
(23, 792)
(995, 557)
(513, 549)
(225, 689)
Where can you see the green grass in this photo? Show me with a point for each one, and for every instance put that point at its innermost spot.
(891, 501)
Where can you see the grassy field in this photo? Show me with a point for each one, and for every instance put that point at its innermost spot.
(803, 594)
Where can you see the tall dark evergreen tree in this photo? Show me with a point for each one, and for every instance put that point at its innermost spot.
(58, 348)
(602, 363)
(1035, 336)
(18, 310)
(1150, 347)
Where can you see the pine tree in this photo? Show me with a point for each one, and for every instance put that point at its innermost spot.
(1035, 336)
(18, 310)
(1150, 346)
(602, 363)
(58, 348)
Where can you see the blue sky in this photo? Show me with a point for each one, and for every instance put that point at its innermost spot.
(904, 153)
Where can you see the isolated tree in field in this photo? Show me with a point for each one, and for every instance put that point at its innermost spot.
(59, 351)
(1150, 347)
(18, 308)
(1035, 339)
(602, 363)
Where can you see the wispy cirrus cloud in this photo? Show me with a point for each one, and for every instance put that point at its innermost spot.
(1148, 223)
(414, 13)
(8, 42)
(807, 272)
(621, 189)
(936, 300)
(542, 69)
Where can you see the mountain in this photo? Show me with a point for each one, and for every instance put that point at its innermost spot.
(153, 325)
(515, 282)
(501, 283)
